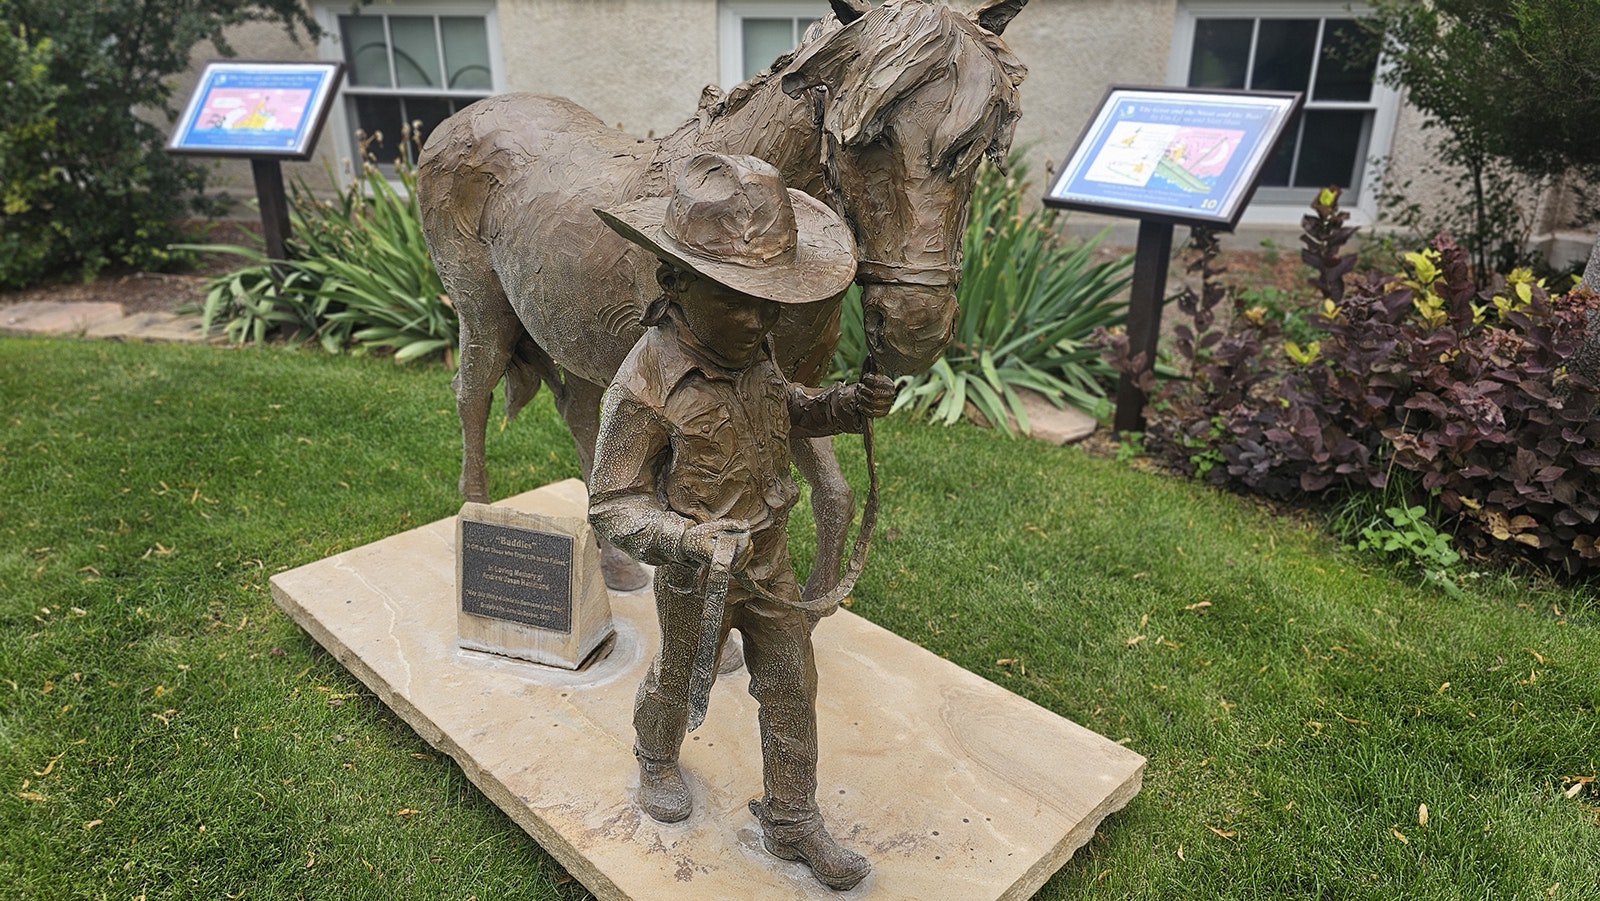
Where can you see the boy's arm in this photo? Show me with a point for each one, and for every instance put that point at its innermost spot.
(623, 500)
(838, 408)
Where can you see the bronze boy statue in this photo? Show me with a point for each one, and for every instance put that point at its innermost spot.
(692, 474)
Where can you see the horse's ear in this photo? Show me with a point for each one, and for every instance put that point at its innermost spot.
(995, 15)
(850, 10)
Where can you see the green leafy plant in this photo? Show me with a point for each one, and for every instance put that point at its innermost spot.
(83, 87)
(1510, 89)
(257, 302)
(383, 288)
(1130, 446)
(1030, 305)
(27, 130)
(1409, 533)
(359, 276)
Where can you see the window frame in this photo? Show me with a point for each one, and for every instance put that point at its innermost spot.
(327, 13)
(1285, 205)
(730, 29)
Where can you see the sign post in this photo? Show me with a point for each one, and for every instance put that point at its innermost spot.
(267, 112)
(1167, 157)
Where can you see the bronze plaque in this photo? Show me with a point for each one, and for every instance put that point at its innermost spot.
(517, 575)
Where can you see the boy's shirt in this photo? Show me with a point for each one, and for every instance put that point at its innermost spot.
(688, 441)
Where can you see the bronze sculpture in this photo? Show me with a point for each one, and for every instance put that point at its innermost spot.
(691, 474)
(884, 114)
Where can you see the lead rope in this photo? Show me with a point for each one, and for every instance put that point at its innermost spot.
(829, 601)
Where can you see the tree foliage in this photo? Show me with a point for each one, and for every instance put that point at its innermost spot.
(1516, 85)
(82, 89)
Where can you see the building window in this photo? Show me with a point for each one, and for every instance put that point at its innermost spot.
(408, 64)
(1320, 50)
(756, 32)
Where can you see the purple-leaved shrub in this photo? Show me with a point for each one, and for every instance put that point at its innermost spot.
(1417, 371)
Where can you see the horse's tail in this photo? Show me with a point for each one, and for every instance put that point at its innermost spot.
(530, 367)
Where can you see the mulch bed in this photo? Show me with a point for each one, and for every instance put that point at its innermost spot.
(148, 292)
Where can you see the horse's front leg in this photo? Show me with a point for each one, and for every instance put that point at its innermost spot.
(832, 506)
(578, 402)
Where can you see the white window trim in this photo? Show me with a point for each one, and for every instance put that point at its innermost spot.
(327, 14)
(1386, 99)
(730, 29)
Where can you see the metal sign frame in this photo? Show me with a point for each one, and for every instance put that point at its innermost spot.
(257, 109)
(1187, 156)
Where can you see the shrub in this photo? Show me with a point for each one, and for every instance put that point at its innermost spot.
(358, 277)
(1468, 390)
(1512, 93)
(97, 190)
(27, 171)
(1030, 305)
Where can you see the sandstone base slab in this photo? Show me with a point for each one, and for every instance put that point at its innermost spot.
(956, 789)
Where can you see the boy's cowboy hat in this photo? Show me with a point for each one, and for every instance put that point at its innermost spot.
(731, 219)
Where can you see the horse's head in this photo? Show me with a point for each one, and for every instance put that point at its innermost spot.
(911, 96)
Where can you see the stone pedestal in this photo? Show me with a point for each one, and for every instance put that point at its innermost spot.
(957, 789)
(528, 585)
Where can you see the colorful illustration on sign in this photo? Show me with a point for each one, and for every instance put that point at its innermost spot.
(271, 113)
(268, 108)
(1173, 153)
(1190, 159)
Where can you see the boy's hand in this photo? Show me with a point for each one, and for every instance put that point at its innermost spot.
(700, 541)
(875, 395)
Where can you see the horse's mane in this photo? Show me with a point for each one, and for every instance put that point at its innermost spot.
(918, 43)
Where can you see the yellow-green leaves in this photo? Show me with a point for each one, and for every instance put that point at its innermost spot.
(1305, 356)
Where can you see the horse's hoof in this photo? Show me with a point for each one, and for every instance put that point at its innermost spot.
(732, 659)
(621, 572)
(473, 493)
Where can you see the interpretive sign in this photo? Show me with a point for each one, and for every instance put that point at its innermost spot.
(1167, 156)
(517, 574)
(1185, 156)
(257, 109)
(529, 586)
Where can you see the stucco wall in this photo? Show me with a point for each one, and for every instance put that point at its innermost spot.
(1073, 50)
(639, 64)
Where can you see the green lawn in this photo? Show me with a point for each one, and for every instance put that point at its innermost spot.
(166, 733)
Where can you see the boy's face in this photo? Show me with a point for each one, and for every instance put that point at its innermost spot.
(728, 323)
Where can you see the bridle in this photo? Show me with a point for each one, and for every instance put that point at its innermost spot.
(868, 271)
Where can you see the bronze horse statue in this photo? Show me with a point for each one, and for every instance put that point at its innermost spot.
(883, 113)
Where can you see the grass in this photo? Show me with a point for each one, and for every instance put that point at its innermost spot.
(166, 733)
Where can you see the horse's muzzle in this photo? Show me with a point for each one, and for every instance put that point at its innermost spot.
(908, 326)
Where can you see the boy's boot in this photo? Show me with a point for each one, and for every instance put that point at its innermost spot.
(834, 866)
(662, 791)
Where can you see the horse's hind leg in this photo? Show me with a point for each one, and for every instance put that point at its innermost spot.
(579, 404)
(490, 331)
(832, 506)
